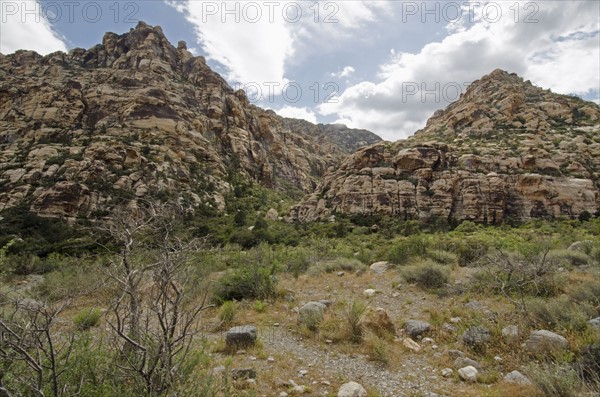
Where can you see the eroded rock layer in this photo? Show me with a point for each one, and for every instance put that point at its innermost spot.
(505, 150)
(135, 117)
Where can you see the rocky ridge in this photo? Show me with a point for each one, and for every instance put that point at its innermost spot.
(505, 150)
(136, 117)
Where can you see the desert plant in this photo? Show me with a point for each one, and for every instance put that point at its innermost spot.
(442, 257)
(558, 313)
(337, 264)
(354, 316)
(227, 312)
(260, 306)
(555, 380)
(570, 257)
(406, 249)
(427, 275)
(87, 318)
(248, 282)
(377, 348)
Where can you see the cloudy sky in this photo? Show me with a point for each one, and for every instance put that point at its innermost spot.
(381, 65)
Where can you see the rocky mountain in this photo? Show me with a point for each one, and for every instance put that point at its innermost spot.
(135, 117)
(347, 139)
(505, 150)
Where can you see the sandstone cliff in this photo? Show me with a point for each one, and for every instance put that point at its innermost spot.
(505, 150)
(135, 117)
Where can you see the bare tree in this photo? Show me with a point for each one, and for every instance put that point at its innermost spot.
(28, 340)
(157, 302)
(517, 275)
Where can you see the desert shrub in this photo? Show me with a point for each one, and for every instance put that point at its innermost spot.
(588, 293)
(512, 273)
(87, 318)
(555, 381)
(354, 316)
(427, 275)
(260, 306)
(470, 251)
(247, 282)
(467, 227)
(405, 250)
(587, 366)
(377, 349)
(558, 313)
(338, 264)
(595, 255)
(570, 257)
(227, 312)
(298, 263)
(442, 257)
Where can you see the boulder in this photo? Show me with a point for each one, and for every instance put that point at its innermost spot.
(272, 215)
(369, 293)
(468, 374)
(411, 345)
(476, 336)
(543, 341)
(352, 389)
(518, 378)
(243, 373)
(595, 322)
(415, 328)
(379, 267)
(378, 320)
(311, 314)
(462, 362)
(510, 333)
(241, 336)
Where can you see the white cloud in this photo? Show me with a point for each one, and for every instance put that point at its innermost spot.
(345, 72)
(560, 51)
(22, 27)
(297, 113)
(255, 41)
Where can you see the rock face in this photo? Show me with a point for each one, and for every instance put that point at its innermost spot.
(135, 118)
(505, 150)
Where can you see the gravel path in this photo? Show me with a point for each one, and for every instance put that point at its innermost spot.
(413, 377)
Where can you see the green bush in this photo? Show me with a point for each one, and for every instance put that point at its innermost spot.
(570, 257)
(87, 318)
(227, 312)
(247, 282)
(587, 365)
(260, 306)
(338, 264)
(588, 294)
(405, 250)
(427, 275)
(442, 257)
(470, 251)
(555, 380)
(511, 273)
(558, 313)
(354, 315)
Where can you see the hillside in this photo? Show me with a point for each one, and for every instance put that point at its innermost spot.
(134, 118)
(506, 150)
